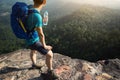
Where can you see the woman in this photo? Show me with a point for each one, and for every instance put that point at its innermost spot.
(38, 43)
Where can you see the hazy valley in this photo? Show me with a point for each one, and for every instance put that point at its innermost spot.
(76, 30)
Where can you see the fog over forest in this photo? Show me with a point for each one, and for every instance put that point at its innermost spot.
(106, 3)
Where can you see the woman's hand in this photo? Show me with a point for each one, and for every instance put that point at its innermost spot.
(48, 47)
(45, 20)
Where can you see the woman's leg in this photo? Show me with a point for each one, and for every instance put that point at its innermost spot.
(33, 56)
(49, 59)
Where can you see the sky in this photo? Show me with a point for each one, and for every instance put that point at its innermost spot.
(106, 3)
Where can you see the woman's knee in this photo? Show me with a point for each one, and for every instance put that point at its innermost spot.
(33, 52)
(49, 54)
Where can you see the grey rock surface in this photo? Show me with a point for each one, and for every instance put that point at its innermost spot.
(16, 66)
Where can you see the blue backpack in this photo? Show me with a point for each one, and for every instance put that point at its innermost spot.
(19, 15)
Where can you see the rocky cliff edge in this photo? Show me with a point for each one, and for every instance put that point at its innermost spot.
(16, 66)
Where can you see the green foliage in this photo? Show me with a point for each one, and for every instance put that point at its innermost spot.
(8, 42)
(90, 33)
(87, 34)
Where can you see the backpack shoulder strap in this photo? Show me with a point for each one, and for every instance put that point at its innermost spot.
(30, 11)
(22, 25)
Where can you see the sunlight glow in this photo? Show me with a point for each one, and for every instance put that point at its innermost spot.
(107, 3)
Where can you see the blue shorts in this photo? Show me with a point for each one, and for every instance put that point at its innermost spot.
(38, 46)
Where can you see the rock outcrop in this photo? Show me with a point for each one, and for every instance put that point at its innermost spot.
(16, 66)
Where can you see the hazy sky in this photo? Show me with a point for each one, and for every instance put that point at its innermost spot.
(106, 3)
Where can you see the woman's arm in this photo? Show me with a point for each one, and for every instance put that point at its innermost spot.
(42, 38)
